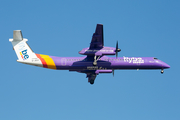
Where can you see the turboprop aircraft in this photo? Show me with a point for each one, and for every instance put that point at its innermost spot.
(94, 61)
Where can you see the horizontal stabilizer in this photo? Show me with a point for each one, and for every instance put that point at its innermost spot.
(17, 35)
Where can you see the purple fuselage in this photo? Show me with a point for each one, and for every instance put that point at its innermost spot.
(108, 63)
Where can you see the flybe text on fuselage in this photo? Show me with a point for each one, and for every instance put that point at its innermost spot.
(133, 59)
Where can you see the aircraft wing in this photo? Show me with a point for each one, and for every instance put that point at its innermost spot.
(97, 41)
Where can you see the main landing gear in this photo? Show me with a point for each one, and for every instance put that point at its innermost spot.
(91, 81)
(95, 60)
(91, 78)
(162, 71)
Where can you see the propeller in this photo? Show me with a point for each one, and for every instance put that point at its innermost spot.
(117, 49)
(113, 72)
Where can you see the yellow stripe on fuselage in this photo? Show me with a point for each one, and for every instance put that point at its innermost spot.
(49, 61)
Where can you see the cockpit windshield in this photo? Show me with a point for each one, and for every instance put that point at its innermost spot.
(155, 58)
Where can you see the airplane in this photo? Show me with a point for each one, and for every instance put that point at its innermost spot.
(94, 61)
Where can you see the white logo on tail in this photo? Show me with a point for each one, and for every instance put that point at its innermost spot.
(24, 54)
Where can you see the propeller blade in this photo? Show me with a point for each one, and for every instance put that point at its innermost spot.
(117, 45)
(113, 72)
(117, 49)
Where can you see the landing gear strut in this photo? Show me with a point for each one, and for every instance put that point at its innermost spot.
(95, 60)
(162, 71)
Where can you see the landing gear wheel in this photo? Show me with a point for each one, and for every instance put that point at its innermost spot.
(94, 63)
(91, 82)
(162, 71)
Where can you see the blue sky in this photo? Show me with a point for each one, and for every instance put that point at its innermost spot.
(62, 28)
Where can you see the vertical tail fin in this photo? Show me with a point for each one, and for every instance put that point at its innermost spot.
(23, 51)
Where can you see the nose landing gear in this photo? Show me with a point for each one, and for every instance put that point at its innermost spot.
(162, 71)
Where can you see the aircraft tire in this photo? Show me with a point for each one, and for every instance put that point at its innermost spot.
(91, 82)
(162, 71)
(94, 63)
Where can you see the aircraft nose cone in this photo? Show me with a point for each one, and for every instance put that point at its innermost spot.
(166, 65)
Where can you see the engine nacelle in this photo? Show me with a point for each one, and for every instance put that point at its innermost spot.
(98, 52)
